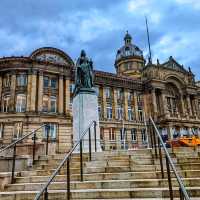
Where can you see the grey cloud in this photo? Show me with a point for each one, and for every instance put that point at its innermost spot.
(99, 27)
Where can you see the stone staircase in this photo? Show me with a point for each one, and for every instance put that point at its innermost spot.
(133, 174)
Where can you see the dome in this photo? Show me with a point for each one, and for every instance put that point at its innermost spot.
(128, 49)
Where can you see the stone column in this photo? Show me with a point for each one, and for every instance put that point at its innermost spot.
(164, 103)
(40, 92)
(33, 91)
(126, 105)
(104, 104)
(155, 109)
(196, 107)
(67, 95)
(115, 103)
(135, 105)
(189, 105)
(182, 106)
(60, 95)
(13, 88)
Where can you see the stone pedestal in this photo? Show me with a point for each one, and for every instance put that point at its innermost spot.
(85, 110)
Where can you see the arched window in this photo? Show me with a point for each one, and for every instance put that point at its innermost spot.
(173, 99)
(21, 103)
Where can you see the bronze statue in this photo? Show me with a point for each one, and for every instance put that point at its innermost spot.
(83, 74)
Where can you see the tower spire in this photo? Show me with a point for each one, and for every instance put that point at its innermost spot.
(149, 44)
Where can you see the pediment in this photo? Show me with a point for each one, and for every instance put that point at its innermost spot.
(174, 65)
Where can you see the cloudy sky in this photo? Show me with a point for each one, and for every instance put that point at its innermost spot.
(98, 26)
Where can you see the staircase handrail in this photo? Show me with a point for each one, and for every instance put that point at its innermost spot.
(66, 158)
(21, 139)
(180, 182)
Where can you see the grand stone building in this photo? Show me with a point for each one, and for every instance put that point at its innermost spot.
(38, 89)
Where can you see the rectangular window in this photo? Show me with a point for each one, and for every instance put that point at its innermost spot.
(133, 135)
(1, 130)
(144, 136)
(119, 113)
(122, 134)
(53, 104)
(46, 82)
(107, 92)
(21, 103)
(52, 130)
(6, 103)
(45, 103)
(112, 136)
(130, 114)
(130, 97)
(140, 115)
(120, 94)
(109, 112)
(17, 131)
(21, 80)
(53, 83)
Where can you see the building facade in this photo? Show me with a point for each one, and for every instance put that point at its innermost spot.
(38, 89)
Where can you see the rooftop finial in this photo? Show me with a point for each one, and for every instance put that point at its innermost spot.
(127, 38)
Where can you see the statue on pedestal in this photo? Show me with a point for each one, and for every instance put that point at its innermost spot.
(83, 74)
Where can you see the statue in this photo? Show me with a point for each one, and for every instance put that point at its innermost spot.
(83, 74)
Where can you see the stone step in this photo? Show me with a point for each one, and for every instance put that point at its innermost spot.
(105, 184)
(102, 193)
(109, 176)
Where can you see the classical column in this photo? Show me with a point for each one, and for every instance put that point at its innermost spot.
(182, 105)
(13, 88)
(60, 95)
(115, 103)
(67, 95)
(40, 91)
(189, 105)
(126, 105)
(135, 105)
(104, 104)
(196, 107)
(164, 103)
(155, 109)
(33, 91)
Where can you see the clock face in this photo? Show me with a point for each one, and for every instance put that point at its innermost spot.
(50, 57)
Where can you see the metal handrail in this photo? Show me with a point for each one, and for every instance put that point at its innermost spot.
(180, 182)
(66, 158)
(22, 138)
(14, 147)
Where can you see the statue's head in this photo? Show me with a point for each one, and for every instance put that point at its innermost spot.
(83, 54)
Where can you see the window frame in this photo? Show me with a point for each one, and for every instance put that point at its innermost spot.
(20, 106)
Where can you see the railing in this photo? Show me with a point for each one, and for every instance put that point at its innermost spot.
(67, 158)
(156, 145)
(13, 146)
